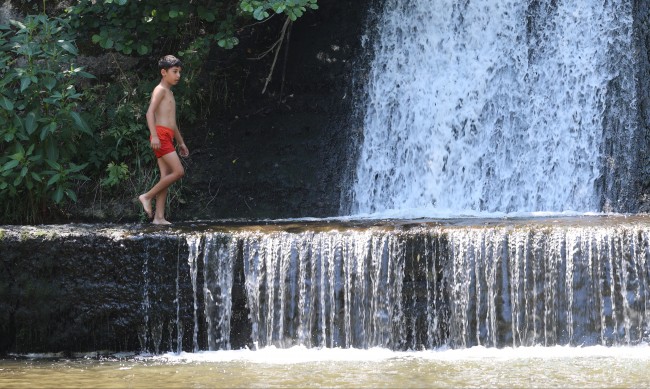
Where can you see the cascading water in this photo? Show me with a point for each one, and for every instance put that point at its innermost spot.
(430, 285)
(399, 285)
(499, 106)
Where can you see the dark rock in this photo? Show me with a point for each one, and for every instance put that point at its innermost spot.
(284, 153)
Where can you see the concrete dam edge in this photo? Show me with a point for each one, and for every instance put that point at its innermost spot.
(399, 284)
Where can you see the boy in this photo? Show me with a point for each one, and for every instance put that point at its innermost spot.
(161, 120)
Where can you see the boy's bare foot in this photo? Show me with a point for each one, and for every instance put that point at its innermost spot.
(160, 221)
(146, 204)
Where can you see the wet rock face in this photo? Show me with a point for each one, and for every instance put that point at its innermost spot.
(86, 292)
(94, 288)
(284, 153)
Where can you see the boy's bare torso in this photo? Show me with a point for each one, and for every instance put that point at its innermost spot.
(166, 110)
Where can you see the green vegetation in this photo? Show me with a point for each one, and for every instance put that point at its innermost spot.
(135, 26)
(40, 125)
(66, 134)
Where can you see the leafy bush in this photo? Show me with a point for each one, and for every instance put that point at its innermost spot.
(261, 10)
(116, 174)
(40, 126)
(131, 27)
(121, 147)
(47, 146)
(136, 27)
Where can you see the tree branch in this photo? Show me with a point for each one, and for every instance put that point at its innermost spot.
(277, 46)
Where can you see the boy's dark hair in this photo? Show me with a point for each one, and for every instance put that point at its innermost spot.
(169, 61)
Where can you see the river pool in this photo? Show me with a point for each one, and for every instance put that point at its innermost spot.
(300, 367)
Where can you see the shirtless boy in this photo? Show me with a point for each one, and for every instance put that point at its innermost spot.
(161, 120)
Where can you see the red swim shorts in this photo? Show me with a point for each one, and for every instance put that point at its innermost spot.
(166, 136)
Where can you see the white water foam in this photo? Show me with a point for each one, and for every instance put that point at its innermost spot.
(441, 214)
(301, 354)
(493, 105)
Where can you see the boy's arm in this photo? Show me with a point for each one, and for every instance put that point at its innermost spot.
(184, 152)
(156, 97)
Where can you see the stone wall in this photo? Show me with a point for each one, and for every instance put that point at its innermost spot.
(67, 291)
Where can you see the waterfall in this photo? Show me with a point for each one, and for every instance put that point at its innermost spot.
(499, 106)
(219, 258)
(394, 284)
(427, 285)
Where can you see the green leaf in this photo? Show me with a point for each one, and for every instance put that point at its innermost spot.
(20, 149)
(49, 82)
(54, 179)
(10, 165)
(6, 104)
(258, 13)
(57, 196)
(67, 46)
(77, 168)
(80, 123)
(36, 177)
(53, 164)
(49, 128)
(30, 123)
(52, 152)
(18, 123)
(173, 13)
(85, 74)
(71, 195)
(205, 14)
(24, 83)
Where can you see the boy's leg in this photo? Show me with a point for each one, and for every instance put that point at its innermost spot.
(171, 170)
(161, 197)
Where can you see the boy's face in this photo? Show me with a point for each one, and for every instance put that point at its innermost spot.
(171, 75)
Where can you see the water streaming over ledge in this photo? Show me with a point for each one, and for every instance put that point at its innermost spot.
(502, 106)
(581, 281)
(395, 284)
(420, 284)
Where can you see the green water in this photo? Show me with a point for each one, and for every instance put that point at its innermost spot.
(301, 368)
